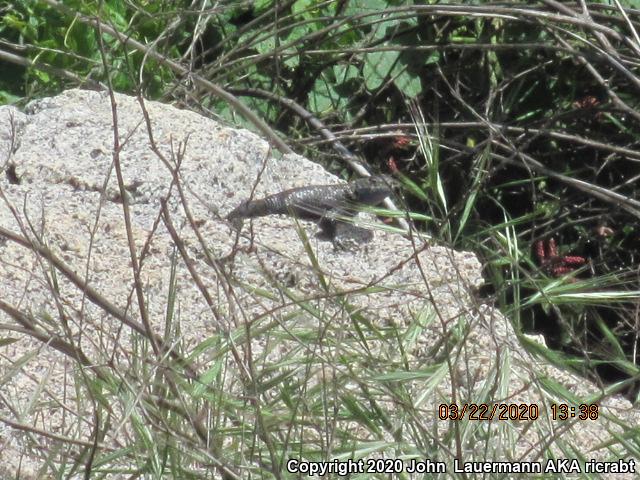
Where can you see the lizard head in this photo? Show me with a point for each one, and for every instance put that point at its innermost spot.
(373, 190)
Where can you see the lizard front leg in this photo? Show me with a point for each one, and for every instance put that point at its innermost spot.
(342, 232)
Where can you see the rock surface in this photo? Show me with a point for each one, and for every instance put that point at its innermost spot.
(60, 188)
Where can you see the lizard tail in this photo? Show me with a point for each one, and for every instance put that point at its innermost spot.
(248, 209)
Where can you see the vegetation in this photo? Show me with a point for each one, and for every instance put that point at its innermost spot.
(510, 125)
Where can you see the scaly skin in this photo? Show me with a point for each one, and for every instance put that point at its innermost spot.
(321, 203)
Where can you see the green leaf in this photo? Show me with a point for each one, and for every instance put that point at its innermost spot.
(345, 72)
(302, 7)
(13, 21)
(356, 7)
(410, 85)
(320, 98)
(8, 341)
(377, 67)
(267, 45)
(324, 98)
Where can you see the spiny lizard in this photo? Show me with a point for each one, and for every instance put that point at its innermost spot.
(324, 204)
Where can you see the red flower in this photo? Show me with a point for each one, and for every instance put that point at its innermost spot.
(554, 264)
(401, 141)
(393, 165)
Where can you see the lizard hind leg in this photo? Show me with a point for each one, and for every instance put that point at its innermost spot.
(327, 228)
(341, 231)
(349, 237)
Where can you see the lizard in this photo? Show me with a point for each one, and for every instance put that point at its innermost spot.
(324, 204)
